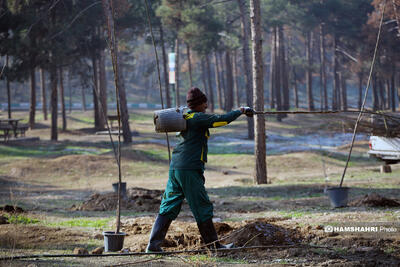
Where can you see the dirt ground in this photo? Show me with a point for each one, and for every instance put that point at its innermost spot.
(64, 189)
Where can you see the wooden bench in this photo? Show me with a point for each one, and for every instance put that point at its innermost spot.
(111, 119)
(22, 128)
(6, 129)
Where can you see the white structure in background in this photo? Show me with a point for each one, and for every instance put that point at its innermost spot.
(385, 148)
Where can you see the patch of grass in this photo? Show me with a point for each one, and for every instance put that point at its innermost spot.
(340, 251)
(81, 222)
(230, 260)
(141, 117)
(234, 219)
(156, 153)
(390, 250)
(206, 258)
(45, 151)
(21, 219)
(294, 214)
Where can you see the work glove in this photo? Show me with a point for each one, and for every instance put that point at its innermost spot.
(248, 111)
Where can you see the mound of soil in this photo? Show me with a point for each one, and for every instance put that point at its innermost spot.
(262, 233)
(374, 200)
(137, 199)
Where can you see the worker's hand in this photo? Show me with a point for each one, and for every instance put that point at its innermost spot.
(248, 111)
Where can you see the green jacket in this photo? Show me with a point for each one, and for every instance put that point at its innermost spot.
(191, 152)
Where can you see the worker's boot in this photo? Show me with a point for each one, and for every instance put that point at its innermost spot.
(158, 232)
(209, 235)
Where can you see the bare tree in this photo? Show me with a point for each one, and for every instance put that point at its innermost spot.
(283, 72)
(272, 70)
(360, 88)
(177, 70)
(211, 93)
(392, 87)
(247, 63)
(8, 92)
(229, 82)
(95, 91)
(102, 90)
(166, 77)
(32, 107)
(324, 95)
(54, 99)
(218, 81)
(335, 75)
(118, 77)
(258, 85)
(310, 100)
(203, 77)
(189, 64)
(235, 78)
(62, 98)
(43, 90)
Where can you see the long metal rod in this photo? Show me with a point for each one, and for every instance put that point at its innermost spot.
(326, 112)
(365, 95)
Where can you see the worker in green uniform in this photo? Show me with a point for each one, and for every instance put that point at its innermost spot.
(186, 179)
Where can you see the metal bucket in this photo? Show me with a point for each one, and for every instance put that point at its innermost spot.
(169, 120)
(338, 196)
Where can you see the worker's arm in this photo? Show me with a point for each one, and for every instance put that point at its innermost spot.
(214, 120)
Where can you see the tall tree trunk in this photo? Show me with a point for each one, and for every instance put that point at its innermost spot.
(54, 99)
(118, 76)
(96, 112)
(310, 100)
(62, 98)
(283, 72)
(325, 105)
(83, 98)
(177, 68)
(392, 88)
(360, 89)
(203, 77)
(43, 90)
(8, 92)
(229, 82)
(398, 93)
(223, 80)
(335, 75)
(295, 89)
(278, 84)
(102, 91)
(211, 93)
(218, 81)
(343, 91)
(69, 91)
(272, 67)
(190, 65)
(258, 84)
(388, 96)
(32, 106)
(235, 79)
(245, 26)
(381, 93)
(375, 99)
(165, 66)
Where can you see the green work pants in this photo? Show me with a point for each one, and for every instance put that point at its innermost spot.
(189, 184)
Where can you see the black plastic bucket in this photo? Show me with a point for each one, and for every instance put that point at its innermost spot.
(338, 196)
(113, 241)
(123, 188)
